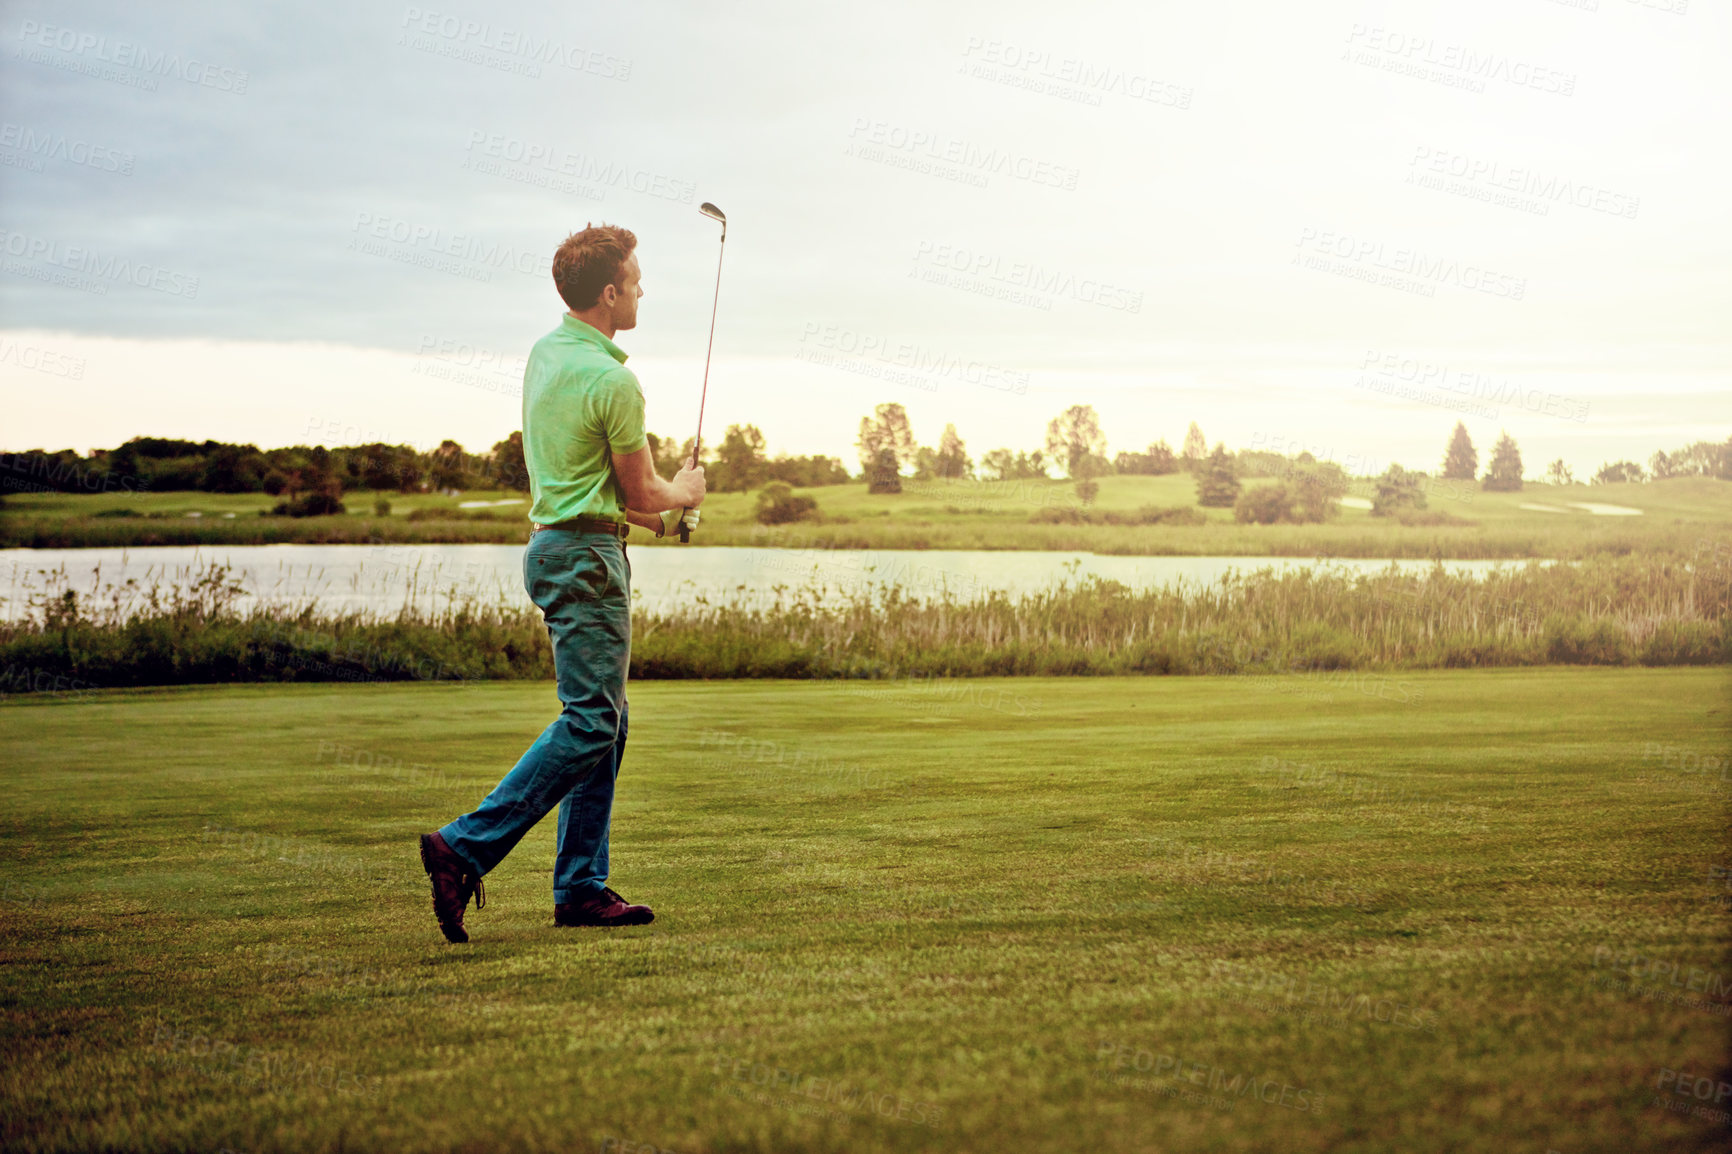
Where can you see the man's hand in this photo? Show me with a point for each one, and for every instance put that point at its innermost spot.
(672, 518)
(691, 475)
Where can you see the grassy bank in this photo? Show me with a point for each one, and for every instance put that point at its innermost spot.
(1675, 515)
(1195, 915)
(1326, 625)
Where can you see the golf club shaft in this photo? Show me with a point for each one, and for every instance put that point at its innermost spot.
(698, 440)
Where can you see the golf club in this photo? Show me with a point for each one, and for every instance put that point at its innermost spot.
(713, 213)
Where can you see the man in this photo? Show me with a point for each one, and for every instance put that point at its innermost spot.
(590, 472)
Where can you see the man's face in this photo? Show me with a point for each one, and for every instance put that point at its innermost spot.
(629, 290)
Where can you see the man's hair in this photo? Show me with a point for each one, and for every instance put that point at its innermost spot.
(588, 262)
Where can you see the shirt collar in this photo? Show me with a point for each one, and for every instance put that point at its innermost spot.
(583, 330)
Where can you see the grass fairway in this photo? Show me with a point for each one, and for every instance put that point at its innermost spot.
(1683, 514)
(1083, 914)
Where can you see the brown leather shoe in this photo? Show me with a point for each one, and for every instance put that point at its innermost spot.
(453, 882)
(608, 910)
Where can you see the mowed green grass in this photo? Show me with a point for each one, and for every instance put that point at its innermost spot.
(1685, 514)
(909, 917)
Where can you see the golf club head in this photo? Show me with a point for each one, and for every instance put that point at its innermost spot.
(715, 213)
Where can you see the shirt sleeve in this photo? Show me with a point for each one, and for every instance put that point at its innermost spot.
(620, 406)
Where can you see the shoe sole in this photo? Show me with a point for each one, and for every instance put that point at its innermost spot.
(602, 925)
(452, 933)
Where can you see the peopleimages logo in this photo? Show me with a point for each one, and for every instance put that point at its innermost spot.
(41, 146)
(1424, 374)
(80, 262)
(462, 253)
(1372, 257)
(1086, 76)
(444, 34)
(979, 266)
(1229, 1088)
(1522, 182)
(1425, 57)
(91, 49)
(884, 142)
(41, 360)
(843, 347)
(563, 162)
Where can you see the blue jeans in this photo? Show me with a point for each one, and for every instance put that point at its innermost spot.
(582, 583)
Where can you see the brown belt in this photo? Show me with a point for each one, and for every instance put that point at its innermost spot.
(588, 525)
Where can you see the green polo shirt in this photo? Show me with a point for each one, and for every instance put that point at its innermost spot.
(580, 405)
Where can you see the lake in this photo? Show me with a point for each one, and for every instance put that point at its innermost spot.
(383, 577)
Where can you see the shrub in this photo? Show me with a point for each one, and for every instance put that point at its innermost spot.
(313, 503)
(1419, 517)
(777, 505)
(1157, 515)
(381, 507)
(1397, 489)
(1264, 505)
(1087, 491)
(1146, 515)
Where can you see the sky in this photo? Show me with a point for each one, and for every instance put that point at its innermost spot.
(1337, 227)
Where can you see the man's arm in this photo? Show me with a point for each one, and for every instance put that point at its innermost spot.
(648, 495)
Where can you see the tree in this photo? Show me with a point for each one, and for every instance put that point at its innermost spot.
(233, 469)
(1616, 472)
(1397, 489)
(1558, 473)
(1217, 482)
(510, 471)
(1701, 459)
(806, 472)
(953, 463)
(379, 466)
(887, 430)
(668, 454)
(1263, 505)
(1461, 459)
(740, 459)
(1087, 491)
(446, 467)
(1093, 465)
(1504, 474)
(1074, 436)
(1317, 487)
(882, 475)
(1157, 460)
(1004, 465)
(1194, 448)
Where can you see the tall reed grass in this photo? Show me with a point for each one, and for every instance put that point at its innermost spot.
(1654, 610)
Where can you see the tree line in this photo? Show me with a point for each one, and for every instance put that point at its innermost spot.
(314, 478)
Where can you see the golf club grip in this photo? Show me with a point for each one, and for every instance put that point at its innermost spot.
(685, 529)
